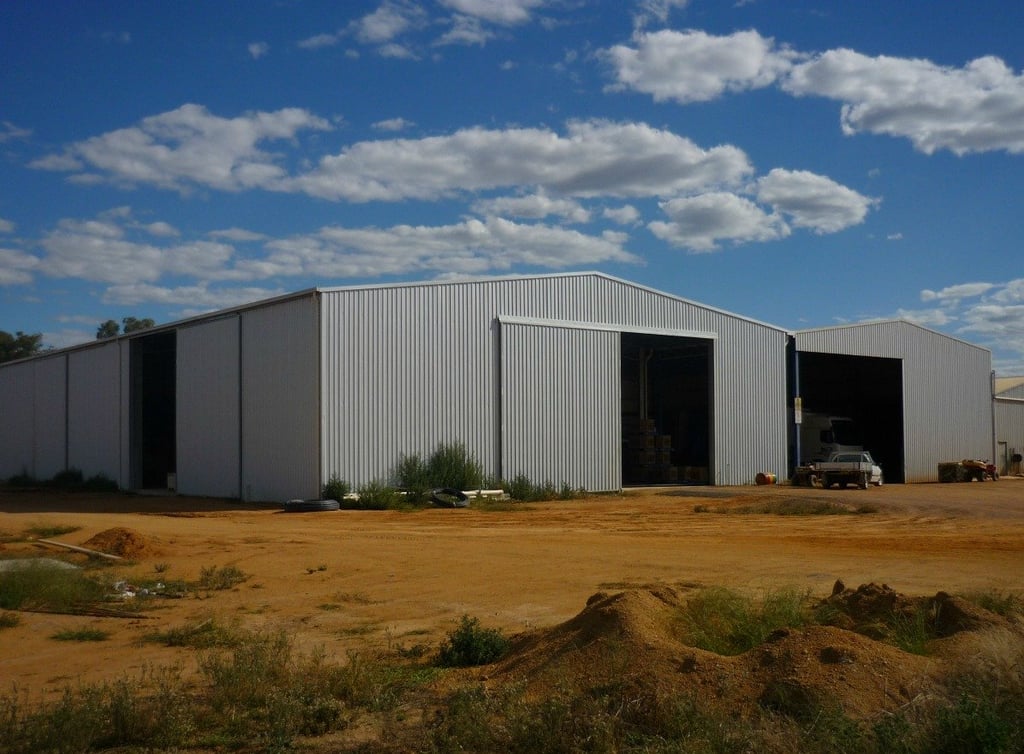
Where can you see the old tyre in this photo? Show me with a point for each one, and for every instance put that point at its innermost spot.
(310, 506)
(448, 497)
(826, 481)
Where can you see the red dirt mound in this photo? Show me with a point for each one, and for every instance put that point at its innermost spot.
(630, 638)
(126, 543)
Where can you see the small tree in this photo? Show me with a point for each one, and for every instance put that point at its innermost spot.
(111, 329)
(19, 346)
(108, 329)
(132, 324)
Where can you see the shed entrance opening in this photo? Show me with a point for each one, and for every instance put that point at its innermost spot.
(153, 410)
(666, 409)
(866, 390)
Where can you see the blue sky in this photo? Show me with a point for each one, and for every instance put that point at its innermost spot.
(801, 163)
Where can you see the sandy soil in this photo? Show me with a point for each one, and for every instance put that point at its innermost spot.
(353, 580)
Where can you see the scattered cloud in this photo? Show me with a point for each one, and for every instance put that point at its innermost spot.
(319, 41)
(258, 49)
(655, 11)
(693, 66)
(472, 246)
(466, 30)
(393, 124)
(187, 146)
(10, 132)
(502, 12)
(199, 298)
(926, 317)
(392, 19)
(813, 201)
(117, 37)
(237, 234)
(16, 267)
(6, 226)
(627, 214)
(894, 237)
(978, 107)
(954, 293)
(535, 207)
(699, 223)
(594, 158)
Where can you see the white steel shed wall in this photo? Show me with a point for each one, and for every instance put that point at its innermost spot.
(95, 411)
(16, 429)
(208, 414)
(49, 428)
(1009, 428)
(280, 401)
(407, 367)
(560, 404)
(947, 393)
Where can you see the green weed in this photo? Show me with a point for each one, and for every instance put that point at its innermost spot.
(217, 579)
(469, 644)
(725, 622)
(41, 586)
(81, 634)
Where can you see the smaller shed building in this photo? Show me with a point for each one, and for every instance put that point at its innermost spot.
(919, 397)
(1009, 410)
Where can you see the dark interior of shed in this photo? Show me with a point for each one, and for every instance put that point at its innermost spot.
(868, 390)
(666, 409)
(153, 409)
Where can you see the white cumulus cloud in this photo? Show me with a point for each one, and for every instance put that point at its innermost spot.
(813, 201)
(975, 108)
(188, 146)
(699, 223)
(693, 66)
(594, 158)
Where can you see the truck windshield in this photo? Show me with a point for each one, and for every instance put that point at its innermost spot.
(845, 432)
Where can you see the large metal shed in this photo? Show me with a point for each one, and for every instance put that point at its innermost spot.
(581, 379)
(1009, 410)
(920, 397)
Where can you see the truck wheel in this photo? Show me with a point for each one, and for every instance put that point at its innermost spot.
(826, 482)
(865, 477)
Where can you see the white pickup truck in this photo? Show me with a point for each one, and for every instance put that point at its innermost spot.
(850, 468)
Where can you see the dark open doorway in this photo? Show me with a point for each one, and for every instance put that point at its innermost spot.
(868, 391)
(153, 410)
(666, 409)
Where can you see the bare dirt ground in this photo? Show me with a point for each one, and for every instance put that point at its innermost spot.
(359, 580)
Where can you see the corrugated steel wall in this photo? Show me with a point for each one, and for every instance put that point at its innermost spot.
(280, 401)
(947, 394)
(208, 425)
(407, 367)
(16, 429)
(49, 429)
(1009, 429)
(561, 400)
(95, 411)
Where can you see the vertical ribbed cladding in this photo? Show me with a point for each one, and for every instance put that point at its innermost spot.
(16, 391)
(946, 388)
(49, 416)
(1009, 412)
(407, 367)
(561, 405)
(280, 407)
(95, 411)
(208, 417)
